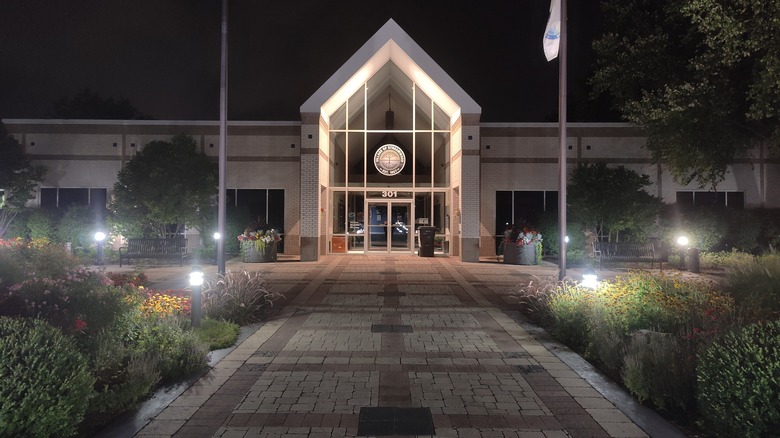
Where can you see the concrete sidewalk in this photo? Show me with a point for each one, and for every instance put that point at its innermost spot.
(396, 346)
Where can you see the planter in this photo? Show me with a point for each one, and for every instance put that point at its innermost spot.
(252, 255)
(520, 255)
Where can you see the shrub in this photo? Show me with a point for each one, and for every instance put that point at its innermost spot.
(724, 259)
(134, 279)
(239, 297)
(45, 381)
(739, 382)
(658, 368)
(124, 375)
(570, 308)
(41, 224)
(179, 351)
(217, 334)
(754, 284)
(77, 226)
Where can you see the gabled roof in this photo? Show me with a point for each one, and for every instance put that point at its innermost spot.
(391, 43)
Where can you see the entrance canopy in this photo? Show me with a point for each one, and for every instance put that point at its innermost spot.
(391, 43)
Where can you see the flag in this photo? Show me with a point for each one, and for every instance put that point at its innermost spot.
(552, 33)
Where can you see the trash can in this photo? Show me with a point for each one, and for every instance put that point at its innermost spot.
(427, 235)
(693, 261)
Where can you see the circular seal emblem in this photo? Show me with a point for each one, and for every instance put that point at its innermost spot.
(389, 160)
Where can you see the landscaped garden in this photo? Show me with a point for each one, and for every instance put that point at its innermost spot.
(82, 346)
(705, 353)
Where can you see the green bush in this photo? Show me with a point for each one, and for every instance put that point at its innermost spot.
(77, 226)
(754, 283)
(45, 384)
(657, 368)
(239, 297)
(217, 334)
(723, 259)
(124, 375)
(180, 352)
(570, 308)
(41, 224)
(739, 382)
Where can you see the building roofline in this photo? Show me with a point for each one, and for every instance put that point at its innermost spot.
(145, 122)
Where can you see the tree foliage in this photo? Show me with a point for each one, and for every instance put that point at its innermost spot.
(702, 77)
(18, 179)
(164, 188)
(87, 104)
(611, 199)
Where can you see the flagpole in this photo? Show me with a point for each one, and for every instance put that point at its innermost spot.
(221, 197)
(563, 144)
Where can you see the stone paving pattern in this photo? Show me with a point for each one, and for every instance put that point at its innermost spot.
(402, 331)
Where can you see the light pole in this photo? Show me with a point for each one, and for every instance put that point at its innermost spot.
(217, 236)
(99, 238)
(196, 281)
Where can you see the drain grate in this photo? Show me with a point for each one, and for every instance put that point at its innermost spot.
(529, 369)
(391, 328)
(385, 421)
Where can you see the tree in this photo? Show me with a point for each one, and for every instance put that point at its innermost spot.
(702, 77)
(18, 179)
(163, 188)
(90, 105)
(611, 199)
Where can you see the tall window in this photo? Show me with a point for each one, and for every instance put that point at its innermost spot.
(519, 207)
(389, 134)
(65, 197)
(711, 199)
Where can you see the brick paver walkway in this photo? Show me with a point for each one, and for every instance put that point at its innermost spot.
(362, 339)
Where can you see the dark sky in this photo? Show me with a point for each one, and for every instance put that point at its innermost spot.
(163, 55)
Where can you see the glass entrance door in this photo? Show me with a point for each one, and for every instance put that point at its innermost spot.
(389, 229)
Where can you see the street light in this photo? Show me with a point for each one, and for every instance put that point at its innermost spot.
(196, 281)
(590, 279)
(99, 238)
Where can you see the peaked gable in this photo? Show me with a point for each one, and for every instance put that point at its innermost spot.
(391, 43)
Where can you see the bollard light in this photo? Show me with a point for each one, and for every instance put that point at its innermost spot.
(683, 242)
(590, 279)
(566, 239)
(217, 236)
(99, 238)
(196, 281)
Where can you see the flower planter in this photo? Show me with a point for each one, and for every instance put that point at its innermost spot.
(251, 254)
(520, 255)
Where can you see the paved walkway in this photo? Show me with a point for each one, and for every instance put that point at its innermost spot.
(403, 346)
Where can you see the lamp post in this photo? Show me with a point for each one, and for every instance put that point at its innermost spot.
(99, 238)
(196, 281)
(682, 242)
(217, 236)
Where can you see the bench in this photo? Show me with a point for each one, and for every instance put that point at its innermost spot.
(625, 252)
(150, 248)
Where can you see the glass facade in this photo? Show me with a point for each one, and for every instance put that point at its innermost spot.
(389, 167)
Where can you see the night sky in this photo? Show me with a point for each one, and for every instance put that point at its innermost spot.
(163, 55)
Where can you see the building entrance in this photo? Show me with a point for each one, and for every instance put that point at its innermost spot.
(389, 228)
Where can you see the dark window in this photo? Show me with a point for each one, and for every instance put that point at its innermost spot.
(263, 206)
(98, 199)
(735, 200)
(48, 198)
(522, 207)
(711, 199)
(685, 199)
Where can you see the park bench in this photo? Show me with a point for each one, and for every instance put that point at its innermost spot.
(151, 248)
(625, 252)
